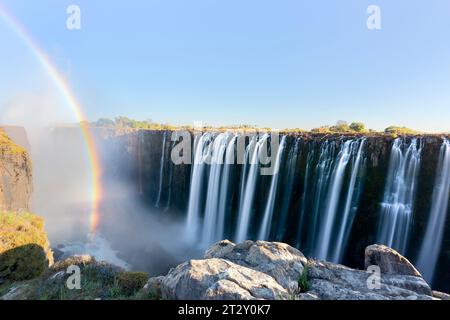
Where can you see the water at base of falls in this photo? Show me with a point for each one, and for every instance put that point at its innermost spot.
(96, 246)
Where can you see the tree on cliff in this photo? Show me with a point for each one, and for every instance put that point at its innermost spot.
(358, 127)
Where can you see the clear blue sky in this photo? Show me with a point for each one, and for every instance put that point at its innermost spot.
(276, 63)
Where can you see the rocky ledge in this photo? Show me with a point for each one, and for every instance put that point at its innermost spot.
(272, 270)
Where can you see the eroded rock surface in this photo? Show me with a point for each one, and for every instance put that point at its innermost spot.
(271, 270)
(217, 279)
(279, 260)
(389, 261)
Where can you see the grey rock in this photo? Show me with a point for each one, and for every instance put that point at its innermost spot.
(153, 287)
(219, 279)
(441, 295)
(336, 282)
(389, 261)
(279, 260)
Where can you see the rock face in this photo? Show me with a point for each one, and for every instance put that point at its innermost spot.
(15, 176)
(272, 270)
(389, 261)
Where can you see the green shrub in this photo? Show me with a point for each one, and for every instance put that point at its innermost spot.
(303, 281)
(131, 282)
(8, 146)
(24, 247)
(394, 130)
(358, 127)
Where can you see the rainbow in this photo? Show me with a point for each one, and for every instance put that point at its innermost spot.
(64, 89)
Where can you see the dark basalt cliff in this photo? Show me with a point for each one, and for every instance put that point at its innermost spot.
(15, 175)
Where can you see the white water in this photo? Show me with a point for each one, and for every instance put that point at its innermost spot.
(268, 212)
(322, 176)
(248, 152)
(161, 170)
(303, 200)
(287, 192)
(224, 188)
(96, 246)
(332, 202)
(214, 193)
(195, 195)
(398, 202)
(350, 206)
(249, 192)
(431, 245)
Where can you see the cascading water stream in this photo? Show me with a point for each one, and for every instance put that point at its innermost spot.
(249, 191)
(268, 212)
(246, 163)
(431, 245)
(322, 178)
(210, 223)
(195, 195)
(351, 203)
(398, 202)
(303, 200)
(287, 192)
(161, 170)
(325, 230)
(224, 187)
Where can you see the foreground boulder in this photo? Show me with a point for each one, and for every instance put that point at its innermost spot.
(272, 270)
(279, 260)
(389, 261)
(330, 281)
(219, 279)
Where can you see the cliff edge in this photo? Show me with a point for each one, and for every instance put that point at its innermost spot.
(15, 176)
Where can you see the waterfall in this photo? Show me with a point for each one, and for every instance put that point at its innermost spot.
(140, 142)
(249, 191)
(195, 195)
(351, 203)
(431, 245)
(287, 192)
(313, 197)
(214, 193)
(332, 202)
(170, 179)
(398, 202)
(322, 177)
(248, 152)
(224, 187)
(268, 212)
(161, 170)
(303, 200)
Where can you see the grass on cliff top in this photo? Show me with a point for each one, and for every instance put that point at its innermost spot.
(98, 280)
(7, 145)
(24, 248)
